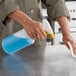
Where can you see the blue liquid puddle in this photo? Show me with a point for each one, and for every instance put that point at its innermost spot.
(12, 44)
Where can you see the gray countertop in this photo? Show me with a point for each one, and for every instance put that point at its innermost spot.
(39, 61)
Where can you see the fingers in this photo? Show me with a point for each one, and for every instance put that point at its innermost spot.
(32, 34)
(67, 45)
(39, 34)
(72, 42)
(40, 31)
(35, 30)
(65, 41)
(35, 34)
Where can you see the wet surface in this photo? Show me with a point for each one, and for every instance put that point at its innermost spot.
(39, 61)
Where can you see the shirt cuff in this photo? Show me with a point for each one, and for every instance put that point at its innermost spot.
(57, 11)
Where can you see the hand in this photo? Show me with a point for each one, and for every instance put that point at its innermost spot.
(35, 30)
(72, 42)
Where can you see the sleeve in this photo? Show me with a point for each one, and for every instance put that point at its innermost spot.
(6, 7)
(56, 8)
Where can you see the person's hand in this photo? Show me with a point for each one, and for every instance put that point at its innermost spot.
(34, 29)
(72, 42)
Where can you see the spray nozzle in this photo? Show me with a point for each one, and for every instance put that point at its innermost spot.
(48, 29)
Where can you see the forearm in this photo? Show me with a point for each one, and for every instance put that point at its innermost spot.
(33, 28)
(20, 17)
(64, 25)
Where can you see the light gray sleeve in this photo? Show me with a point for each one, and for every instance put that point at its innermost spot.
(1, 1)
(56, 8)
(6, 7)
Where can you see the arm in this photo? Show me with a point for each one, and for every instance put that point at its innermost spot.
(8, 8)
(57, 11)
(65, 29)
(66, 33)
(64, 25)
(33, 28)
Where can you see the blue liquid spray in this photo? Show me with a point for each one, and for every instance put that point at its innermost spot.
(16, 42)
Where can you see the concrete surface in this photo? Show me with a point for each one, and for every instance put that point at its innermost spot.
(39, 61)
